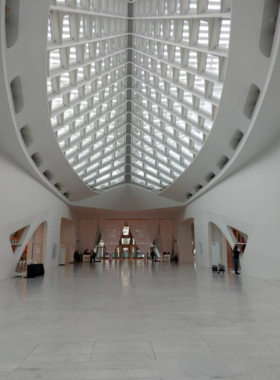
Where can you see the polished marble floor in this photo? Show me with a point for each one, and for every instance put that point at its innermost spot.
(132, 320)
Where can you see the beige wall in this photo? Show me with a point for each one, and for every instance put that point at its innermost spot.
(68, 238)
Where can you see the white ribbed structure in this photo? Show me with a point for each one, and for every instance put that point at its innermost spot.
(134, 89)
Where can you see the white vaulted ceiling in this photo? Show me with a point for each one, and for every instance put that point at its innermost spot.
(134, 88)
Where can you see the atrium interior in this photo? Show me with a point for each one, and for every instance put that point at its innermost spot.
(139, 223)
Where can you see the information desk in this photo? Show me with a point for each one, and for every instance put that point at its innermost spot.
(86, 258)
(165, 258)
(34, 270)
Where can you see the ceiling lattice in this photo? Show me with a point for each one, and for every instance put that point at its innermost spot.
(134, 88)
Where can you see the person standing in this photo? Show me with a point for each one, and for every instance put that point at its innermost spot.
(92, 256)
(236, 258)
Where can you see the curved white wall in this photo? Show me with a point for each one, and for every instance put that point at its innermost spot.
(26, 202)
(246, 66)
(249, 201)
(27, 60)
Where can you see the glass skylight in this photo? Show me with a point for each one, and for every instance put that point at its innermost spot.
(134, 104)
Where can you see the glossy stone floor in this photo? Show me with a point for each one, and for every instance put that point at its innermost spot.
(139, 321)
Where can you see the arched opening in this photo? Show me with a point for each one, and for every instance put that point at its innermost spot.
(186, 241)
(219, 247)
(68, 242)
(240, 238)
(34, 252)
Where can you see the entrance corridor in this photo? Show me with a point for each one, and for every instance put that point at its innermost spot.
(136, 320)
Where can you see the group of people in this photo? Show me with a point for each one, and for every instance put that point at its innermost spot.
(78, 257)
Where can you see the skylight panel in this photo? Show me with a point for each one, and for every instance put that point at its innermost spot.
(217, 90)
(188, 153)
(106, 168)
(184, 138)
(84, 153)
(161, 157)
(88, 177)
(199, 84)
(152, 179)
(104, 178)
(49, 86)
(66, 33)
(203, 33)
(79, 3)
(63, 130)
(197, 146)
(181, 124)
(214, 5)
(205, 106)
(138, 181)
(183, 77)
(160, 146)
(193, 5)
(212, 65)
(169, 130)
(185, 33)
(64, 80)
(178, 57)
(137, 162)
(208, 124)
(73, 55)
(196, 132)
(188, 97)
(118, 171)
(71, 150)
(193, 59)
(177, 6)
(50, 36)
(82, 31)
(192, 116)
(75, 136)
(103, 186)
(177, 167)
(149, 159)
(171, 30)
(55, 60)
(137, 171)
(68, 113)
(117, 181)
(54, 121)
(93, 27)
(57, 103)
(171, 143)
(174, 155)
(153, 187)
(224, 34)
(86, 52)
(95, 156)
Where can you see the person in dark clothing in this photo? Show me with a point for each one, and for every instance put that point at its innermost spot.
(153, 255)
(236, 258)
(92, 256)
(76, 256)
